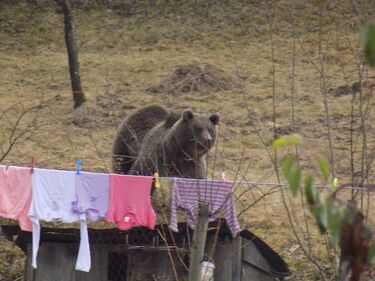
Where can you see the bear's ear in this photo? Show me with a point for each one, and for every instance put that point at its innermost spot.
(215, 118)
(187, 114)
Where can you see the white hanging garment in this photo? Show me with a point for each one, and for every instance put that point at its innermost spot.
(53, 192)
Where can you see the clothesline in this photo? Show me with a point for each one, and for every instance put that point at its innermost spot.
(245, 182)
(33, 195)
(30, 195)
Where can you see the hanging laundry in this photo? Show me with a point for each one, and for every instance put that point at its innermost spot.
(15, 194)
(130, 203)
(53, 192)
(186, 193)
(92, 195)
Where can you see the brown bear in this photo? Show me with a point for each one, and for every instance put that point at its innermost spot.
(129, 136)
(177, 147)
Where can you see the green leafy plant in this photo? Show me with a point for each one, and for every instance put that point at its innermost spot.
(344, 224)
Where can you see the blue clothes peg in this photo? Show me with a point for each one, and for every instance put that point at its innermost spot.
(78, 166)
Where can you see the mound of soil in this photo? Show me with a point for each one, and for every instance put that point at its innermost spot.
(353, 89)
(205, 78)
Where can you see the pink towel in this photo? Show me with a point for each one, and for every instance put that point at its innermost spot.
(15, 194)
(130, 203)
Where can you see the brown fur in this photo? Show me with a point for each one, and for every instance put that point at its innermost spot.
(128, 139)
(177, 148)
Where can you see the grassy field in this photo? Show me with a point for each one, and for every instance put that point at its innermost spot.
(284, 63)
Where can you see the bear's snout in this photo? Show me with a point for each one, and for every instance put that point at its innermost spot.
(209, 138)
(206, 137)
(205, 141)
(210, 141)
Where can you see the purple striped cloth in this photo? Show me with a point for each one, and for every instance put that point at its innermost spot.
(186, 193)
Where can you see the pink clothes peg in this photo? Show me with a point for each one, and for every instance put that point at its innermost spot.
(32, 164)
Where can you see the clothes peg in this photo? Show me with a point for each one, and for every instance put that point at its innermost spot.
(156, 177)
(335, 183)
(78, 166)
(223, 176)
(32, 164)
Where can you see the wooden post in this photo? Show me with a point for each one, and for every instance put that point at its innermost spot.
(199, 241)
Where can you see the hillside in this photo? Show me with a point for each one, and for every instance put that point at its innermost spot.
(123, 55)
(267, 68)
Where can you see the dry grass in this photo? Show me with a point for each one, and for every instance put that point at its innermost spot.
(122, 55)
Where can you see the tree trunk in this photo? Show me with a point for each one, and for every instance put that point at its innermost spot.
(78, 95)
(199, 241)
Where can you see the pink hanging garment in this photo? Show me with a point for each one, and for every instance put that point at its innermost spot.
(130, 203)
(15, 194)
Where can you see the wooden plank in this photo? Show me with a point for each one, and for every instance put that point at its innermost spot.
(56, 261)
(29, 272)
(154, 265)
(252, 255)
(99, 265)
(249, 273)
(223, 260)
(254, 264)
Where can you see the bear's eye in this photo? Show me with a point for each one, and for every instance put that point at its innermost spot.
(198, 130)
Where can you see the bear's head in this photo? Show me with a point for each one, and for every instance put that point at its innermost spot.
(195, 134)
